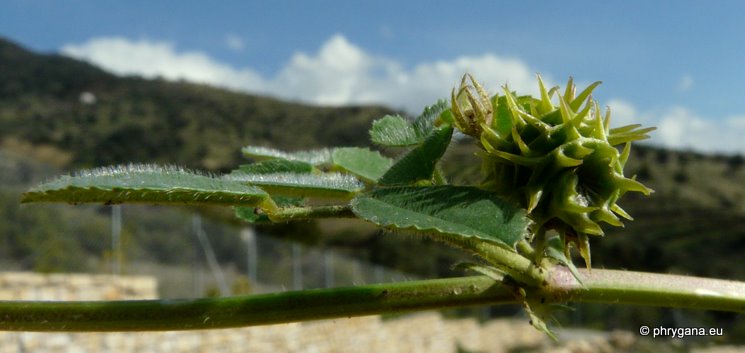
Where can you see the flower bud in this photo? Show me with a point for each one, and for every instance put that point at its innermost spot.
(471, 107)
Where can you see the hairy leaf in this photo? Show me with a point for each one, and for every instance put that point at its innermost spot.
(449, 213)
(419, 163)
(275, 166)
(424, 124)
(331, 185)
(313, 157)
(145, 184)
(367, 164)
(396, 131)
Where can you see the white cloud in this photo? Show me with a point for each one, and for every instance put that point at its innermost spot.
(685, 84)
(736, 122)
(622, 113)
(343, 73)
(234, 42)
(680, 128)
(160, 59)
(339, 73)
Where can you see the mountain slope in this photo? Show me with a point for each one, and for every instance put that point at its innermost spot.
(47, 100)
(137, 120)
(72, 114)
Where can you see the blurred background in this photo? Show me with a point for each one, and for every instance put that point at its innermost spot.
(85, 83)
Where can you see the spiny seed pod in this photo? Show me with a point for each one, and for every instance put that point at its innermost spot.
(558, 162)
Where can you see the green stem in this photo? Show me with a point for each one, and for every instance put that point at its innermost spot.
(520, 268)
(600, 286)
(159, 315)
(650, 289)
(303, 213)
(524, 247)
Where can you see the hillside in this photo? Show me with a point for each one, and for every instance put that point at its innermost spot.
(44, 117)
(101, 119)
(58, 114)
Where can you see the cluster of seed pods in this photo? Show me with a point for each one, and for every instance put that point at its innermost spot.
(555, 156)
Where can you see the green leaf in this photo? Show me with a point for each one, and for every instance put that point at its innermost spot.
(503, 118)
(556, 250)
(369, 165)
(539, 314)
(275, 166)
(330, 185)
(313, 157)
(145, 184)
(419, 164)
(424, 124)
(448, 213)
(396, 131)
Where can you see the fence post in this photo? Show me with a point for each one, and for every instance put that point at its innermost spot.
(328, 268)
(116, 241)
(249, 236)
(297, 267)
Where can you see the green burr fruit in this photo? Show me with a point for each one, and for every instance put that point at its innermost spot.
(558, 161)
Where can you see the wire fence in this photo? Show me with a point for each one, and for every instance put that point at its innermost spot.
(186, 253)
(268, 264)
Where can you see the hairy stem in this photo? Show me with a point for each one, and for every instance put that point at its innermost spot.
(303, 213)
(520, 268)
(600, 286)
(160, 315)
(652, 289)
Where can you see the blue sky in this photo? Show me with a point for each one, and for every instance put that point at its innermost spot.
(674, 64)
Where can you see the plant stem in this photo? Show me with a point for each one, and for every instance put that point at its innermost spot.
(651, 289)
(160, 315)
(517, 266)
(601, 286)
(302, 213)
